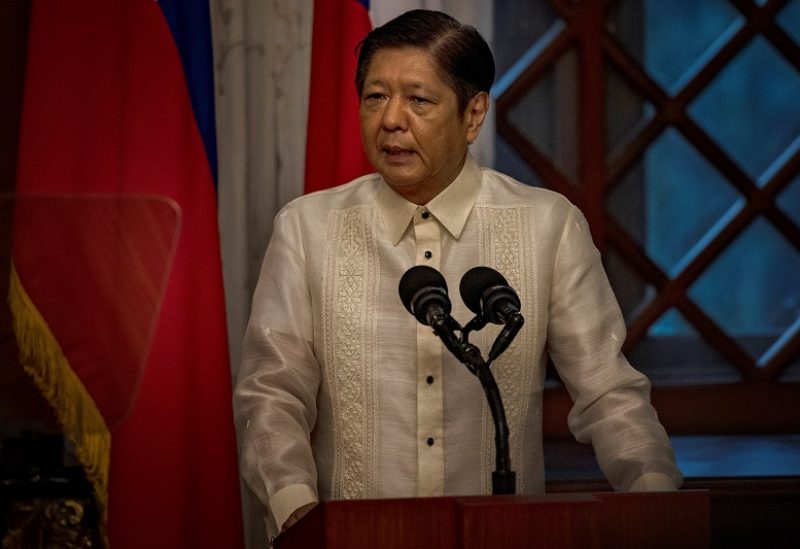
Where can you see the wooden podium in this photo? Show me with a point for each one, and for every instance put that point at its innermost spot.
(591, 520)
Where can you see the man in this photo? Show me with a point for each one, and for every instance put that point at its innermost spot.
(342, 394)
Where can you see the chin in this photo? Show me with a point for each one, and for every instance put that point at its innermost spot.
(402, 185)
(400, 179)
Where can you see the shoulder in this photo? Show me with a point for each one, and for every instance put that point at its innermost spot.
(357, 192)
(500, 189)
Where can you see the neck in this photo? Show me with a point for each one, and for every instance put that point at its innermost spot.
(426, 191)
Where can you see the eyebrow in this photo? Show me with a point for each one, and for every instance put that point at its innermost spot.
(415, 86)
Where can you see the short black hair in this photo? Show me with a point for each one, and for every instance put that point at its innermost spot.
(463, 57)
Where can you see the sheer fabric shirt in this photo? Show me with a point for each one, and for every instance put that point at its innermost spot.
(343, 394)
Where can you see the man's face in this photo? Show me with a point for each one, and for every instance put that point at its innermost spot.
(410, 125)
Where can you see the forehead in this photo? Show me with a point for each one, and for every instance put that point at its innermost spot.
(406, 65)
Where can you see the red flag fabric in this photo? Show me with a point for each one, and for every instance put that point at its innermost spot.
(334, 154)
(107, 110)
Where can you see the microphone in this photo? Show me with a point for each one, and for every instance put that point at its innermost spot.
(487, 294)
(423, 291)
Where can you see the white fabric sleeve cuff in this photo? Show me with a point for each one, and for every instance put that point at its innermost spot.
(653, 482)
(288, 499)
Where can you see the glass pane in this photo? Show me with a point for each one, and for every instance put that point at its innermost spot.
(511, 163)
(526, 21)
(626, 201)
(632, 292)
(107, 259)
(674, 354)
(626, 113)
(685, 198)
(730, 456)
(547, 114)
(750, 109)
(792, 372)
(751, 290)
(669, 39)
(789, 200)
(789, 19)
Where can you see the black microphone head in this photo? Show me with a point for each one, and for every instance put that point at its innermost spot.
(419, 286)
(474, 284)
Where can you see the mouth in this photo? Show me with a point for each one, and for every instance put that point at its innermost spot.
(395, 149)
(398, 154)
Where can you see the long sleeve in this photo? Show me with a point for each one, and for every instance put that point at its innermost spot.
(276, 391)
(342, 394)
(612, 409)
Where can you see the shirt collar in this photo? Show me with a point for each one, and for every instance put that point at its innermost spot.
(451, 207)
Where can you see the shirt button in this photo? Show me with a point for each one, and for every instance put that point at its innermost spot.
(429, 379)
(425, 214)
(430, 441)
(428, 254)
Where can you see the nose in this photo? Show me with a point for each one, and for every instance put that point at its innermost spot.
(394, 115)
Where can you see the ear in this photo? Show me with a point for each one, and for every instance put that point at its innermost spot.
(475, 114)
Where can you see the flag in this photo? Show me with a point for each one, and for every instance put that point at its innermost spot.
(334, 154)
(117, 136)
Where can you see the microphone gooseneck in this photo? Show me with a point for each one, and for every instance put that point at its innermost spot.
(423, 291)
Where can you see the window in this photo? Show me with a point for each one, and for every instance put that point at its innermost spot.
(675, 127)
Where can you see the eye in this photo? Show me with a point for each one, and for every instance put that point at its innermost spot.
(417, 100)
(374, 96)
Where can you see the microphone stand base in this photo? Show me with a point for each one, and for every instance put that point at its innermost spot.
(504, 482)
